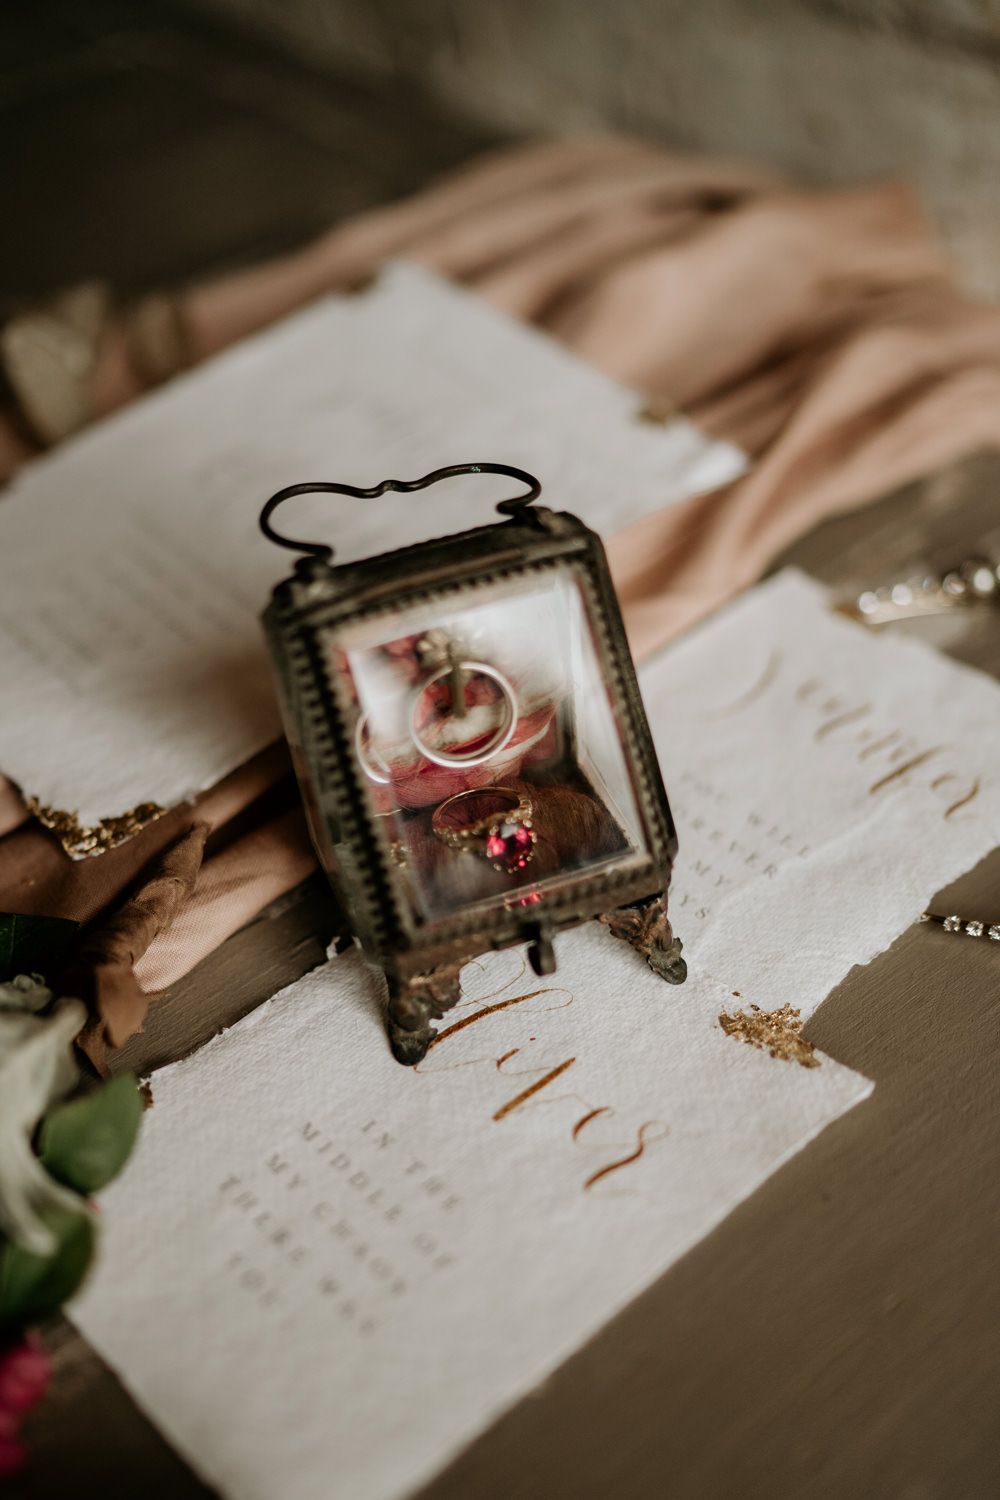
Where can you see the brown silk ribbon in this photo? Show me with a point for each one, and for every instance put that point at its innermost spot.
(101, 970)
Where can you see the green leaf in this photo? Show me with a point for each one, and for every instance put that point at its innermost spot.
(34, 1287)
(87, 1142)
(32, 945)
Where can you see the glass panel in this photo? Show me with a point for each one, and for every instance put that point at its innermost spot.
(489, 744)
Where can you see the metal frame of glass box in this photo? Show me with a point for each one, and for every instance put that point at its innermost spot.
(422, 960)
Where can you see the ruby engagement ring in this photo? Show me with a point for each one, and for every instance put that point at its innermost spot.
(494, 822)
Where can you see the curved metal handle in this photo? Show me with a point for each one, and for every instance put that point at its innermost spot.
(319, 549)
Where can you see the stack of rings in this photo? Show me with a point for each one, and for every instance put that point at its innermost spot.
(377, 768)
(497, 741)
(503, 834)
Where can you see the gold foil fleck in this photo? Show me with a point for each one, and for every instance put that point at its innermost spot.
(778, 1032)
(79, 840)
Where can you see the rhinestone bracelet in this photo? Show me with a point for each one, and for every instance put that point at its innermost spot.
(955, 923)
(975, 581)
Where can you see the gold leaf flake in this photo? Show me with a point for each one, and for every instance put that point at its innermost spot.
(79, 840)
(778, 1032)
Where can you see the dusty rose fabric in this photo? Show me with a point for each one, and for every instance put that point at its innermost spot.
(820, 330)
(232, 887)
(102, 967)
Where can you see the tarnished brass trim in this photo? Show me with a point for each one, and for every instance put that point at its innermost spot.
(80, 840)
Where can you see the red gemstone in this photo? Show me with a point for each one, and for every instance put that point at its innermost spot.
(510, 845)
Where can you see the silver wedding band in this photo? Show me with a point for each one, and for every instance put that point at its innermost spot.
(500, 740)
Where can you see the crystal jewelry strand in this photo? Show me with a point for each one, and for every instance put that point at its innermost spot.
(973, 928)
(975, 581)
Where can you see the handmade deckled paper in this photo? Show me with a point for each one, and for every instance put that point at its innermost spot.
(323, 1274)
(132, 572)
(826, 781)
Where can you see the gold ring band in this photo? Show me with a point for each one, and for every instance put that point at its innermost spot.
(504, 836)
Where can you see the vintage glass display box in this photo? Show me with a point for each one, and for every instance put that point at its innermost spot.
(471, 745)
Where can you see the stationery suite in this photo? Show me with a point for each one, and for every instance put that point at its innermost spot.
(132, 572)
(324, 1274)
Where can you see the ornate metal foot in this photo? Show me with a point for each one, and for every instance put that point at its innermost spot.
(413, 1004)
(409, 1047)
(646, 927)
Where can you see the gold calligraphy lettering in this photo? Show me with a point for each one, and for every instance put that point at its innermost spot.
(877, 745)
(591, 1114)
(908, 765)
(487, 1010)
(543, 1076)
(623, 1161)
(850, 716)
(970, 796)
(532, 1089)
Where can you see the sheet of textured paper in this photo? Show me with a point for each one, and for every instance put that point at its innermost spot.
(131, 569)
(826, 781)
(323, 1274)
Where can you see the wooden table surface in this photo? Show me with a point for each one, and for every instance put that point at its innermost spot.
(839, 1334)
